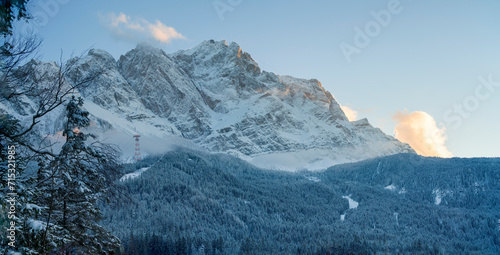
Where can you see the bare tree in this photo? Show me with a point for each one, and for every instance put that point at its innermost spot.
(48, 89)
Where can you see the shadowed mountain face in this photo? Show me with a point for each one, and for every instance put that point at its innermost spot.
(217, 96)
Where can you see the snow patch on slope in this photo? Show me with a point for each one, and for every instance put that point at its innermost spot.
(352, 204)
(133, 175)
(439, 195)
(391, 187)
(313, 178)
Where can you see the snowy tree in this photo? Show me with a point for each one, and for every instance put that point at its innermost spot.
(13, 180)
(70, 189)
(16, 82)
(32, 153)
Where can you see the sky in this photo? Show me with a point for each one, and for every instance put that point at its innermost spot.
(426, 72)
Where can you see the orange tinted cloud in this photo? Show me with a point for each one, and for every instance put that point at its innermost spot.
(163, 33)
(420, 131)
(138, 29)
(351, 114)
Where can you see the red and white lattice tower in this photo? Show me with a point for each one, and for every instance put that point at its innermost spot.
(137, 155)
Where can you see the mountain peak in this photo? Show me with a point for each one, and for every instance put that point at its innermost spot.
(216, 96)
(102, 55)
(144, 45)
(147, 49)
(212, 47)
(217, 56)
(216, 47)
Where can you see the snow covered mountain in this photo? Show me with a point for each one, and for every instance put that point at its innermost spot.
(216, 96)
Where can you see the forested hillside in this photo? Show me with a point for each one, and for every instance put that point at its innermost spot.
(189, 202)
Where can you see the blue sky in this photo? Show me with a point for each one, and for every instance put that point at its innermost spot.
(425, 63)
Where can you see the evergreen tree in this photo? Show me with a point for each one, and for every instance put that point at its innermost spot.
(13, 180)
(8, 127)
(71, 187)
(17, 81)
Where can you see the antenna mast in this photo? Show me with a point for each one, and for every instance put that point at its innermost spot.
(137, 155)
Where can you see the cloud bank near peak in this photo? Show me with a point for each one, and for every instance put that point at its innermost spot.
(420, 131)
(350, 113)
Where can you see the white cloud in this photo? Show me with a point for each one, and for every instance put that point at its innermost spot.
(137, 29)
(163, 33)
(117, 20)
(351, 114)
(420, 131)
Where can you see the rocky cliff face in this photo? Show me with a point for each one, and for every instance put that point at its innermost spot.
(217, 96)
